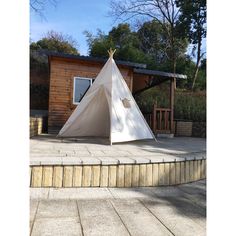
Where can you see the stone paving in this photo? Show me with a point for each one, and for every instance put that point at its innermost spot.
(47, 149)
(179, 210)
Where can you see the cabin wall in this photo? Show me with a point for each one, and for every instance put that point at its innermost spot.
(62, 72)
(140, 82)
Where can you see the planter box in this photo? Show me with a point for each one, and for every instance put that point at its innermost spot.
(183, 128)
(190, 129)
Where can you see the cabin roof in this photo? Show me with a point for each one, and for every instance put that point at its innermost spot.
(96, 59)
(139, 68)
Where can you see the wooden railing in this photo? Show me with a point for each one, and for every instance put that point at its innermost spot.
(159, 120)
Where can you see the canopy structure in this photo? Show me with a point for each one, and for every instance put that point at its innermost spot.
(108, 109)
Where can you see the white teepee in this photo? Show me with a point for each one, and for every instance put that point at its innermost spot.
(108, 109)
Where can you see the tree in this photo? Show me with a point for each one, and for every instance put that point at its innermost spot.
(145, 45)
(56, 42)
(98, 44)
(38, 6)
(53, 41)
(193, 21)
(164, 12)
(123, 39)
(154, 41)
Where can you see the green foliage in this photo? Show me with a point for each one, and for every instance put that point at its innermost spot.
(154, 41)
(123, 39)
(99, 44)
(39, 95)
(147, 98)
(188, 105)
(192, 19)
(38, 62)
(149, 46)
(193, 25)
(56, 42)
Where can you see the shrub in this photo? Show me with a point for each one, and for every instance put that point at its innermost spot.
(188, 105)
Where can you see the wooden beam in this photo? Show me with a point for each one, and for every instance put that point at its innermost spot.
(153, 84)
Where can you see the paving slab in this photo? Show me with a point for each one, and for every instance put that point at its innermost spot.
(99, 218)
(90, 160)
(79, 193)
(56, 209)
(201, 182)
(33, 208)
(119, 211)
(127, 193)
(194, 188)
(116, 153)
(138, 220)
(125, 160)
(199, 200)
(57, 226)
(97, 151)
(179, 215)
(196, 192)
(39, 193)
(177, 192)
(167, 191)
(141, 160)
(108, 160)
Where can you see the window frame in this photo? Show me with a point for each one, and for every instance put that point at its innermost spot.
(82, 78)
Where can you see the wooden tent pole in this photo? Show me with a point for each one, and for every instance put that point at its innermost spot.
(111, 52)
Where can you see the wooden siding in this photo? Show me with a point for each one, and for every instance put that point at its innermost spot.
(140, 82)
(62, 72)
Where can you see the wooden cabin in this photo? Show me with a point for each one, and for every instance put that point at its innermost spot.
(71, 76)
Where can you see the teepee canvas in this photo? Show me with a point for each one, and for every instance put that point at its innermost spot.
(108, 109)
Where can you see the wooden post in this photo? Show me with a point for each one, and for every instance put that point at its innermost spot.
(160, 120)
(154, 121)
(172, 91)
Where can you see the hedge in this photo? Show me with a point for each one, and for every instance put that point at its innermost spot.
(188, 105)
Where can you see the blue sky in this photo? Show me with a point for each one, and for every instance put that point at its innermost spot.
(73, 17)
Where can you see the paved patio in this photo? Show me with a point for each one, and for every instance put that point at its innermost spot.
(119, 211)
(47, 149)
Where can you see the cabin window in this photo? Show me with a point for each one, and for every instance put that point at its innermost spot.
(81, 86)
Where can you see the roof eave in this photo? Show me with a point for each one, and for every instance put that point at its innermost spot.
(95, 59)
(160, 73)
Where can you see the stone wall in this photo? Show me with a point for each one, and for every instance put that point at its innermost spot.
(190, 129)
(183, 128)
(36, 126)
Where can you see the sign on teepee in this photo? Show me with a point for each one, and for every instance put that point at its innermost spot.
(108, 109)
